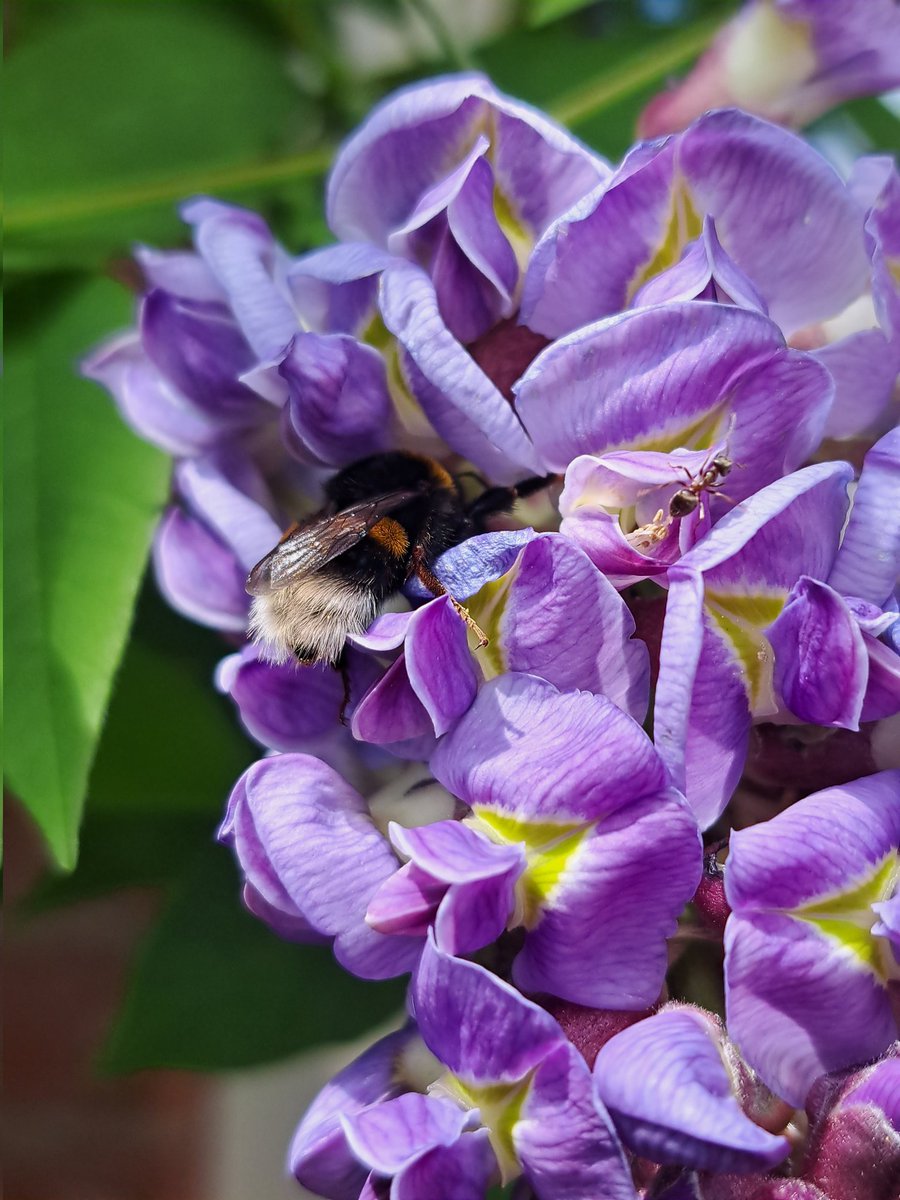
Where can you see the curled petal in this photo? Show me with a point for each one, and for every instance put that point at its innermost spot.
(666, 1086)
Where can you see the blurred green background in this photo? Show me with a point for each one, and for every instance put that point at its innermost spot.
(117, 744)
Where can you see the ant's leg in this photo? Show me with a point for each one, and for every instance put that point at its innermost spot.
(422, 572)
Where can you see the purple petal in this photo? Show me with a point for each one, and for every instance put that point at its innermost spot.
(334, 289)
(249, 266)
(201, 351)
(150, 405)
(796, 1007)
(665, 1084)
(391, 711)
(438, 663)
(284, 706)
(864, 368)
(781, 211)
(338, 409)
(880, 1087)
(821, 665)
(319, 1157)
(566, 623)
(458, 399)
(868, 561)
(466, 568)
(673, 373)
(820, 845)
(883, 685)
(389, 1134)
(198, 575)
(180, 272)
(412, 138)
(481, 1028)
(459, 1172)
(317, 834)
(525, 749)
(229, 494)
(639, 868)
(565, 1138)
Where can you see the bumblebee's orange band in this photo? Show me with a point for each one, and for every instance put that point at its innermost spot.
(391, 535)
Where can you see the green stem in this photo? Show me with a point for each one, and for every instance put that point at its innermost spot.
(668, 54)
(440, 31)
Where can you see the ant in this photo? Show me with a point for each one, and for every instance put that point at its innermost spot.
(707, 478)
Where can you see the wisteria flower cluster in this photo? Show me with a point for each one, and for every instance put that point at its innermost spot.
(681, 737)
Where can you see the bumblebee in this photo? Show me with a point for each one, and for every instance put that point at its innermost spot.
(386, 519)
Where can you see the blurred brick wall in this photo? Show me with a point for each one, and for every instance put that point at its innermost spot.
(69, 1134)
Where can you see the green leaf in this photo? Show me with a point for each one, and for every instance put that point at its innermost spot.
(84, 494)
(542, 12)
(177, 99)
(171, 743)
(215, 989)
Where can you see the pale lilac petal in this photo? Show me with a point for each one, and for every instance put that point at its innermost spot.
(335, 289)
(565, 1138)
(459, 1172)
(459, 400)
(639, 869)
(387, 632)
(323, 846)
(229, 493)
(868, 561)
(438, 663)
(480, 1027)
(150, 405)
(198, 575)
(666, 1086)
(319, 1157)
(864, 368)
(181, 272)
(679, 660)
(584, 763)
(389, 1134)
(338, 406)
(796, 1007)
(411, 139)
(249, 266)
(821, 665)
(583, 266)
(820, 845)
(781, 212)
(658, 372)
(406, 902)
(888, 924)
(566, 623)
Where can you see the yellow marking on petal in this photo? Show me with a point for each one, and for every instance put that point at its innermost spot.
(847, 917)
(406, 407)
(893, 266)
(513, 227)
(486, 608)
(683, 225)
(549, 849)
(741, 619)
(699, 434)
(500, 1106)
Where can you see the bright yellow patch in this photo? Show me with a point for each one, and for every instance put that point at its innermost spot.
(500, 1106)
(683, 225)
(487, 607)
(391, 536)
(741, 619)
(549, 848)
(847, 918)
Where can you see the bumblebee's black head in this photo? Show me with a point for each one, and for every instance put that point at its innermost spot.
(388, 472)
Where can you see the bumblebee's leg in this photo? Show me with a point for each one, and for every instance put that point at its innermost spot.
(501, 499)
(425, 575)
(341, 666)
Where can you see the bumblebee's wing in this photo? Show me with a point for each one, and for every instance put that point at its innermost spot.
(317, 543)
